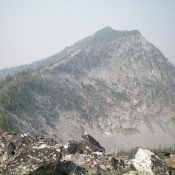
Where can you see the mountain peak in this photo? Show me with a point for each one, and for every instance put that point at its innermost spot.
(107, 34)
(135, 32)
(109, 30)
(106, 29)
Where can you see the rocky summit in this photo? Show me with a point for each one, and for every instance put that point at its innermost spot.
(113, 84)
(26, 154)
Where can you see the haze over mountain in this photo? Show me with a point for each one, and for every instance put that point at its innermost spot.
(114, 84)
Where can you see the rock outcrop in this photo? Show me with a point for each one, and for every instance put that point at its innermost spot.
(22, 154)
(147, 162)
(26, 154)
(87, 145)
(170, 161)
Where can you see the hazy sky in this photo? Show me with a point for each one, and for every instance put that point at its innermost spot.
(34, 29)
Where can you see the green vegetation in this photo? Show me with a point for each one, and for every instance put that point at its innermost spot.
(5, 124)
(173, 120)
(16, 92)
(121, 96)
(129, 131)
(147, 120)
(69, 168)
(131, 152)
(170, 149)
(21, 92)
(89, 89)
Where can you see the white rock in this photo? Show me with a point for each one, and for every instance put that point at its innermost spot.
(66, 146)
(148, 163)
(26, 134)
(142, 161)
(41, 146)
(107, 133)
(85, 133)
(68, 157)
(97, 153)
(103, 167)
(58, 150)
(55, 157)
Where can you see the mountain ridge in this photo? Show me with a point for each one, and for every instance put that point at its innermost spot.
(119, 89)
(52, 59)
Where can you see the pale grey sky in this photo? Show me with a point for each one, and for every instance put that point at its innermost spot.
(35, 29)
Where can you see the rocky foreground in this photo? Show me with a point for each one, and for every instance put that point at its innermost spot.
(25, 154)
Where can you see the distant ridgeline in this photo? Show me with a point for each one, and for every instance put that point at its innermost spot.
(33, 66)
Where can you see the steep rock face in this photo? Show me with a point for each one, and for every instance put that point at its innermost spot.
(113, 84)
